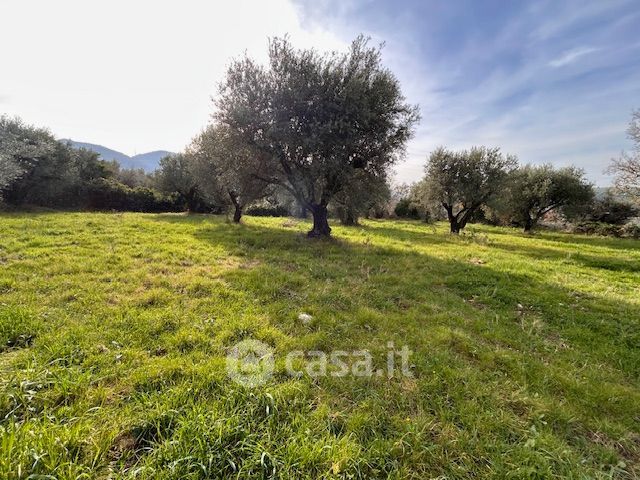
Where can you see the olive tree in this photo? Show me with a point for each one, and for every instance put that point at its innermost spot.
(533, 191)
(175, 175)
(463, 181)
(87, 169)
(626, 168)
(30, 158)
(316, 119)
(229, 168)
(365, 193)
(9, 171)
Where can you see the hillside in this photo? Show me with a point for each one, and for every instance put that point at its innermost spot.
(147, 161)
(115, 357)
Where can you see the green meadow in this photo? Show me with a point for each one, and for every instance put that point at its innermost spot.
(114, 330)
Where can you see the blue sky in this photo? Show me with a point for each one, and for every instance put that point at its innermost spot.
(550, 81)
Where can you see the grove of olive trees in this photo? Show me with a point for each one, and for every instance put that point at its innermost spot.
(316, 132)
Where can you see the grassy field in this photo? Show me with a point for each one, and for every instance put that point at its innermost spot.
(114, 330)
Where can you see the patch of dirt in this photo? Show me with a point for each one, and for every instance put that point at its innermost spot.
(290, 267)
(249, 264)
(290, 223)
(124, 442)
(474, 302)
(409, 384)
(131, 444)
(125, 448)
(477, 261)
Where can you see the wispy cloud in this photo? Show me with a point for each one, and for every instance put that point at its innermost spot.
(549, 81)
(495, 76)
(571, 56)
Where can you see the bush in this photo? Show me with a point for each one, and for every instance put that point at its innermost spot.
(631, 230)
(599, 228)
(611, 210)
(405, 209)
(267, 210)
(107, 194)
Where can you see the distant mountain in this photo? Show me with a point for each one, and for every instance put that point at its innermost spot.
(150, 160)
(147, 161)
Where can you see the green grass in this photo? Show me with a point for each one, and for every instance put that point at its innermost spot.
(114, 330)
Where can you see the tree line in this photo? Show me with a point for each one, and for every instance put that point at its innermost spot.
(36, 169)
(307, 133)
(482, 183)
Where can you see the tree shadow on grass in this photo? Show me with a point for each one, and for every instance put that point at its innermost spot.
(416, 233)
(577, 352)
(612, 263)
(395, 280)
(573, 239)
(425, 234)
(570, 239)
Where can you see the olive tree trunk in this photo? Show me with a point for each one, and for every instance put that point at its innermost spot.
(453, 220)
(237, 214)
(321, 226)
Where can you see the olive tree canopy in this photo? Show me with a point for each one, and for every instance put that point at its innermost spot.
(317, 118)
(533, 191)
(463, 181)
(27, 155)
(229, 169)
(175, 174)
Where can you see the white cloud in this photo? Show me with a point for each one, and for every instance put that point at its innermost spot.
(137, 76)
(559, 17)
(571, 56)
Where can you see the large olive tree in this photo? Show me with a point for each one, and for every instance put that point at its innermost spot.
(317, 118)
(463, 181)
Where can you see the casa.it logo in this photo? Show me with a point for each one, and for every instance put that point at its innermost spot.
(250, 363)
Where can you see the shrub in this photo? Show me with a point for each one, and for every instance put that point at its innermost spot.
(611, 210)
(267, 210)
(598, 228)
(406, 209)
(631, 230)
(107, 194)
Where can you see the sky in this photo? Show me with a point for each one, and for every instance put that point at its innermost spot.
(549, 81)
